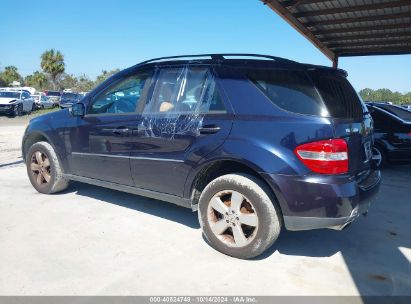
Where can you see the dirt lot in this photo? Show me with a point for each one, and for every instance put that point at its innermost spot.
(90, 240)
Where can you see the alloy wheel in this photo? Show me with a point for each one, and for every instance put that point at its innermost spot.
(232, 218)
(40, 168)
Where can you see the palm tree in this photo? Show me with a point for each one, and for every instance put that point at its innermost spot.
(52, 62)
(37, 80)
(10, 74)
(40, 79)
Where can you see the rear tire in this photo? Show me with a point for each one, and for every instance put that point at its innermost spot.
(44, 169)
(239, 215)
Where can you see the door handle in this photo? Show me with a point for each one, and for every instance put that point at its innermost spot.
(121, 131)
(209, 129)
(118, 131)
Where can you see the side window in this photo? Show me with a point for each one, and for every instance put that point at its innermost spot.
(26, 95)
(122, 96)
(166, 92)
(290, 90)
(200, 93)
(185, 90)
(380, 119)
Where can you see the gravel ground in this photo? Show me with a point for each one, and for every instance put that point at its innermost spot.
(94, 241)
(11, 133)
(10, 141)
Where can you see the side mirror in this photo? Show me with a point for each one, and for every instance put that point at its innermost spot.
(77, 109)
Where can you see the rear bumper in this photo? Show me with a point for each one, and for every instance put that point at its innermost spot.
(313, 202)
(65, 105)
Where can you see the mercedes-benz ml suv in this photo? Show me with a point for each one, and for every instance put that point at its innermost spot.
(255, 144)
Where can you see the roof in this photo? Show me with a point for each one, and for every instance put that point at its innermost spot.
(341, 28)
(234, 59)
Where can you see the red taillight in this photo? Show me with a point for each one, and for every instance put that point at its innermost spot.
(409, 133)
(325, 156)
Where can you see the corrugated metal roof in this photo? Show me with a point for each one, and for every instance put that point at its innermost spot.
(350, 27)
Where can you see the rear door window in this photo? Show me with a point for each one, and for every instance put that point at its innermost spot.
(185, 91)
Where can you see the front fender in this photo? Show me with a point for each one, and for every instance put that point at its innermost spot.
(45, 128)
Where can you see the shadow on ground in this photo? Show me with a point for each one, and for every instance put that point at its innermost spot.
(370, 246)
(142, 204)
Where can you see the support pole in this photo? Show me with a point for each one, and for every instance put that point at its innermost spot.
(335, 62)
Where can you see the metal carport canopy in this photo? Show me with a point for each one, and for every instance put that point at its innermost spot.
(342, 28)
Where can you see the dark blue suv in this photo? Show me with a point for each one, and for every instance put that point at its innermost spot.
(254, 143)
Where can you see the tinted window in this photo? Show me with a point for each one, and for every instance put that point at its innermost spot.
(50, 93)
(291, 90)
(377, 116)
(340, 98)
(122, 96)
(397, 111)
(185, 90)
(70, 95)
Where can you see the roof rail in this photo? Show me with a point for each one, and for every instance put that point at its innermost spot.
(218, 57)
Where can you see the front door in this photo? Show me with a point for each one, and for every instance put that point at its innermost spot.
(101, 142)
(184, 120)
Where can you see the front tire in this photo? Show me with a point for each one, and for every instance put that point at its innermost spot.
(379, 156)
(239, 215)
(44, 169)
(18, 110)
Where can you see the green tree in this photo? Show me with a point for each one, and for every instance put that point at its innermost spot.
(85, 84)
(385, 95)
(68, 81)
(104, 75)
(9, 75)
(37, 80)
(52, 63)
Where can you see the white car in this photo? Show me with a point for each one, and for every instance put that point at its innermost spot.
(42, 101)
(13, 102)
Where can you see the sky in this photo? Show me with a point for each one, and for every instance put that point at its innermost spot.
(108, 34)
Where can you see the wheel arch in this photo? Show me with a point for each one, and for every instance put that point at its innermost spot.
(31, 138)
(218, 167)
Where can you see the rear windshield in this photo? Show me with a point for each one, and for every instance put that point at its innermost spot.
(397, 111)
(53, 93)
(314, 93)
(339, 96)
(70, 95)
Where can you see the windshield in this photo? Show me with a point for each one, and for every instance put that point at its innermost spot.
(10, 94)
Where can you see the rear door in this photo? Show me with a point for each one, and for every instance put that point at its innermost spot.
(349, 116)
(184, 120)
